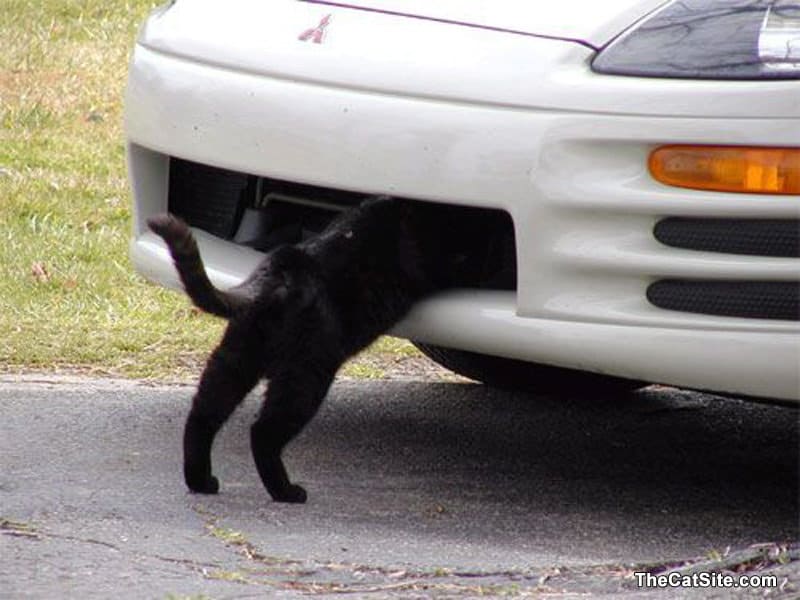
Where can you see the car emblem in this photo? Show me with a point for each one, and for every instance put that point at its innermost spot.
(316, 34)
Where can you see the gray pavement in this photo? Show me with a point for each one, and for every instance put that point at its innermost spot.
(416, 489)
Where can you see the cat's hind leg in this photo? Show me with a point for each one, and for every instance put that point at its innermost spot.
(292, 399)
(231, 372)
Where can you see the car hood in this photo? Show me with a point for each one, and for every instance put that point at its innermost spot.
(453, 50)
(590, 22)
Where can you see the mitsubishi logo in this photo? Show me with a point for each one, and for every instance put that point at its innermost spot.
(316, 34)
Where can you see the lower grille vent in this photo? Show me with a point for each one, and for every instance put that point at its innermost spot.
(745, 299)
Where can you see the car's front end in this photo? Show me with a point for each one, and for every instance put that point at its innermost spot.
(246, 118)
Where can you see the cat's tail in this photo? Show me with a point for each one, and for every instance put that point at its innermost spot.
(186, 256)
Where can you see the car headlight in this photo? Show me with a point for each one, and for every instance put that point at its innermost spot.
(710, 39)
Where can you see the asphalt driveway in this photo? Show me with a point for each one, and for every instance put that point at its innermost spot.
(416, 489)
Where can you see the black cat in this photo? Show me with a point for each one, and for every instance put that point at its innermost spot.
(306, 309)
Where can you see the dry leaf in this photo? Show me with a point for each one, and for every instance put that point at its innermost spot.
(40, 272)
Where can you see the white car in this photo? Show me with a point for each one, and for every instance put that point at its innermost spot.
(636, 164)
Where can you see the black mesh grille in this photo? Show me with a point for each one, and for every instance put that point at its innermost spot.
(208, 198)
(746, 299)
(755, 237)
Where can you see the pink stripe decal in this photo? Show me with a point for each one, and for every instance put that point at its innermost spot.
(395, 13)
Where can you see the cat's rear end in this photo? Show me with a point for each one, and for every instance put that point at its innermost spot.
(186, 257)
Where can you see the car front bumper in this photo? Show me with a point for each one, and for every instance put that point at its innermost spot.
(574, 181)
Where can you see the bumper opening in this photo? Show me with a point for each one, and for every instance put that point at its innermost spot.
(262, 213)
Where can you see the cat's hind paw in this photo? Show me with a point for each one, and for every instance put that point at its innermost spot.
(206, 486)
(293, 494)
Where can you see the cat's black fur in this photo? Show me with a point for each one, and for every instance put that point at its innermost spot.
(298, 317)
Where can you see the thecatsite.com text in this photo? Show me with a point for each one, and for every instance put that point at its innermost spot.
(704, 580)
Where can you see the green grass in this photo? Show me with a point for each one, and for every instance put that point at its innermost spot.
(69, 299)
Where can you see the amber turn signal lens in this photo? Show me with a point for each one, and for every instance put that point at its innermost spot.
(728, 168)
